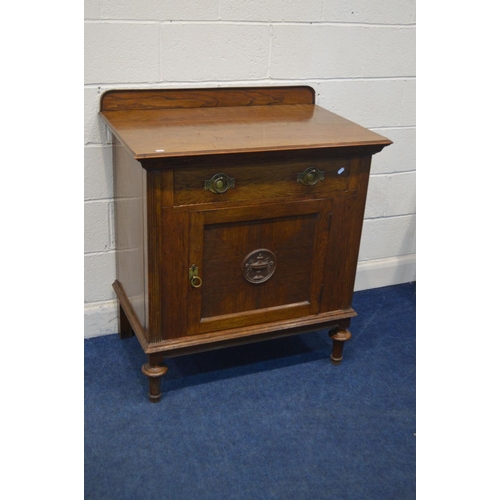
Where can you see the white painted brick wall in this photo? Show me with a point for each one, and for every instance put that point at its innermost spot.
(92, 9)
(386, 237)
(400, 156)
(205, 52)
(341, 51)
(99, 275)
(401, 197)
(98, 177)
(368, 11)
(117, 52)
(160, 10)
(277, 10)
(97, 230)
(358, 55)
(94, 129)
(371, 103)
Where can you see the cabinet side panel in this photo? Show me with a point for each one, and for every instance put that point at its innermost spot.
(147, 295)
(130, 229)
(345, 237)
(361, 179)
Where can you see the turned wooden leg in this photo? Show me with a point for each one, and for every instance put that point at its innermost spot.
(339, 335)
(125, 330)
(154, 369)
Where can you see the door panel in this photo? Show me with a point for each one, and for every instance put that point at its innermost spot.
(257, 264)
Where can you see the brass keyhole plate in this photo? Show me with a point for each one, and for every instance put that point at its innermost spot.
(258, 266)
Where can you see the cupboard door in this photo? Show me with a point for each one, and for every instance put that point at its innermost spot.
(252, 265)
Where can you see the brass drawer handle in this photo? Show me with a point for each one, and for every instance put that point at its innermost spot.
(194, 278)
(219, 184)
(311, 176)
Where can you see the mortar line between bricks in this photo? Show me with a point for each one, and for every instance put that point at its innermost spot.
(393, 173)
(385, 127)
(116, 198)
(196, 83)
(99, 252)
(385, 217)
(103, 302)
(89, 201)
(160, 52)
(246, 23)
(324, 79)
(402, 102)
(269, 58)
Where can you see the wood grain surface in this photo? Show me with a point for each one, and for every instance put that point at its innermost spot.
(114, 100)
(163, 133)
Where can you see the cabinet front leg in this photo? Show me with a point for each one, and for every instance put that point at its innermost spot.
(154, 369)
(339, 335)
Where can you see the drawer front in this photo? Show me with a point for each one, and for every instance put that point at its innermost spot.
(297, 179)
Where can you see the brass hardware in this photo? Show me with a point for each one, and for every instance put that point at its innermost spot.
(219, 184)
(194, 278)
(311, 176)
(259, 265)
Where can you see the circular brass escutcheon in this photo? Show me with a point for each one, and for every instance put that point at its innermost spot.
(258, 266)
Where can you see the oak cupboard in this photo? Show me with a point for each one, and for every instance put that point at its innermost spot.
(238, 217)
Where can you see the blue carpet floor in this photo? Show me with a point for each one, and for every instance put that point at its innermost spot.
(272, 420)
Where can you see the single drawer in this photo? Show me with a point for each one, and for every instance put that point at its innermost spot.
(233, 183)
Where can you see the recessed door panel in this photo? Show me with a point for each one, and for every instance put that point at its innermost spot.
(256, 264)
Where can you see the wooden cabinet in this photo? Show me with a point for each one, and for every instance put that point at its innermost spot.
(238, 217)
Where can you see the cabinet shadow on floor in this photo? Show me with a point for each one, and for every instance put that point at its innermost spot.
(229, 362)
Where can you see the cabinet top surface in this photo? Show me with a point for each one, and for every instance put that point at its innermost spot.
(162, 133)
